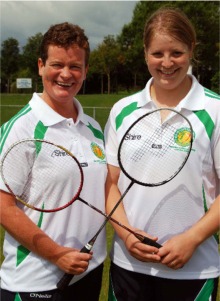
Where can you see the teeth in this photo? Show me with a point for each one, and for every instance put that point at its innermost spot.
(64, 84)
(167, 73)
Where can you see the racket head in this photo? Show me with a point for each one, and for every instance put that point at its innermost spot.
(152, 153)
(29, 170)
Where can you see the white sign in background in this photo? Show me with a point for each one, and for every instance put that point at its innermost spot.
(24, 83)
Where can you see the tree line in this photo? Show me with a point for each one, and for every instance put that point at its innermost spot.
(118, 62)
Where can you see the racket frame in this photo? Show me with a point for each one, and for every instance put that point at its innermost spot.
(20, 199)
(183, 163)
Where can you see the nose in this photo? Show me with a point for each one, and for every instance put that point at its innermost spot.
(167, 62)
(66, 73)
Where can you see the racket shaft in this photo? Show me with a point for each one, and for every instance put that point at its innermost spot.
(150, 242)
(142, 238)
(86, 249)
(64, 281)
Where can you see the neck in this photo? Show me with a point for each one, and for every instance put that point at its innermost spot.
(169, 98)
(65, 109)
(70, 112)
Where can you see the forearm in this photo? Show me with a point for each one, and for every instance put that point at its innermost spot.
(119, 214)
(112, 197)
(208, 225)
(22, 229)
(177, 251)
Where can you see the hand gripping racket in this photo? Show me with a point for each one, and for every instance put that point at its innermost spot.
(151, 153)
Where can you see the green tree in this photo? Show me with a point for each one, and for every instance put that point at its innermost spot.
(105, 59)
(9, 61)
(30, 57)
(204, 15)
(96, 68)
(131, 41)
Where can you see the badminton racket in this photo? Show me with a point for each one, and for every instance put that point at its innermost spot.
(151, 153)
(24, 185)
(27, 167)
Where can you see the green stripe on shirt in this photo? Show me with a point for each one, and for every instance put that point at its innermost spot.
(211, 94)
(40, 130)
(39, 133)
(205, 118)
(23, 252)
(97, 133)
(5, 129)
(124, 113)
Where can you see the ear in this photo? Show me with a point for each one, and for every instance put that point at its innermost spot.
(191, 50)
(40, 66)
(145, 54)
(86, 71)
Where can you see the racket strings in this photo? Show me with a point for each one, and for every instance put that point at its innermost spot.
(160, 139)
(150, 153)
(41, 175)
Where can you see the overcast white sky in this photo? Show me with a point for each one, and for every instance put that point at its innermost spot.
(23, 19)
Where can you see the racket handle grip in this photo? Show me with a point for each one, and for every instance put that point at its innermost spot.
(86, 249)
(150, 242)
(65, 280)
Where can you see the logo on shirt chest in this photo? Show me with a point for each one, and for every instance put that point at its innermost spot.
(183, 137)
(59, 153)
(97, 151)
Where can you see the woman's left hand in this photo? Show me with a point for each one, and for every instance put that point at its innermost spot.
(177, 251)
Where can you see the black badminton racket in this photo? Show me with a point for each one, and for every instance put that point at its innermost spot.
(151, 153)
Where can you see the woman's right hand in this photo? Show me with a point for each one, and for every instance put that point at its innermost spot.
(72, 261)
(141, 251)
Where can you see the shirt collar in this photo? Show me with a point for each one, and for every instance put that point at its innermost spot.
(195, 98)
(193, 101)
(48, 116)
(144, 95)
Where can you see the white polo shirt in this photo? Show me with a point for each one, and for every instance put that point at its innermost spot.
(74, 226)
(170, 209)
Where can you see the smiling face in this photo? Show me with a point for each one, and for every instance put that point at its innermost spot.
(62, 74)
(169, 42)
(168, 61)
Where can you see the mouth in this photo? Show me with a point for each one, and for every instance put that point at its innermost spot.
(168, 72)
(64, 85)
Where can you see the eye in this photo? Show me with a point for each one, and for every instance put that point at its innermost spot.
(56, 65)
(157, 54)
(177, 53)
(75, 67)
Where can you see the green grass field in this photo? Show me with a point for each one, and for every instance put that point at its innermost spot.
(10, 105)
(102, 101)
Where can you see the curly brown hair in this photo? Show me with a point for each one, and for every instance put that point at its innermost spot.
(64, 35)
